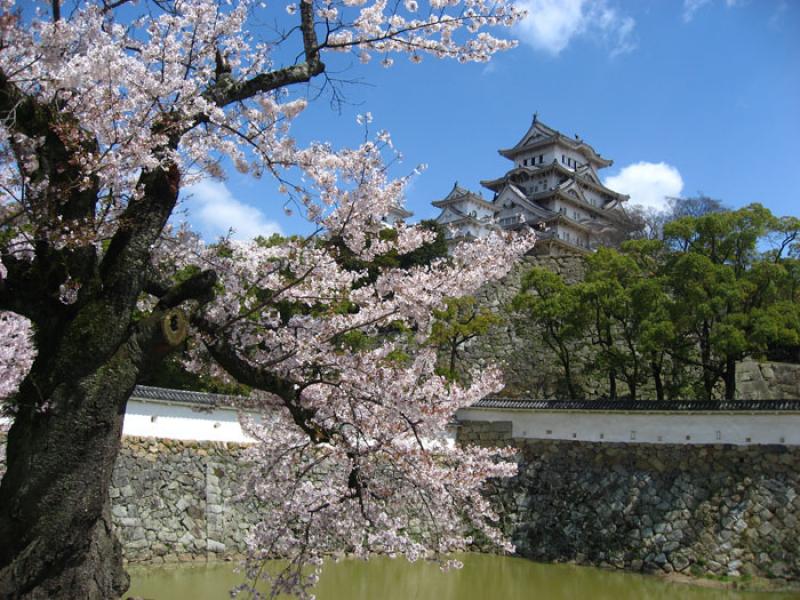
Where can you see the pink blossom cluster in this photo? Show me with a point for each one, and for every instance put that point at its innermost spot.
(353, 454)
(133, 84)
(17, 352)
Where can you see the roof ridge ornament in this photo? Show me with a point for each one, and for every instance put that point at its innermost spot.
(535, 117)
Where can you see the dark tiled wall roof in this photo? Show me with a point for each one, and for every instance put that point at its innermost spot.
(641, 405)
(146, 392)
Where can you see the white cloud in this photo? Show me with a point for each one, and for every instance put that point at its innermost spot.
(648, 184)
(690, 7)
(213, 211)
(551, 25)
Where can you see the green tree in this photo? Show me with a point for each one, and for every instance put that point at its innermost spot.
(547, 301)
(461, 320)
(727, 293)
(630, 322)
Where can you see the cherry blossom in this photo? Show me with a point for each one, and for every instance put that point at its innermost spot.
(107, 111)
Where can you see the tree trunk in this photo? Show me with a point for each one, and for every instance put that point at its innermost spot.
(655, 369)
(730, 379)
(612, 384)
(453, 358)
(563, 354)
(55, 510)
(709, 377)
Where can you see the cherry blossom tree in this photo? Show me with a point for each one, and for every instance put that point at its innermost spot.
(106, 112)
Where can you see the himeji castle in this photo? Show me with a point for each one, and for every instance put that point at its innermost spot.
(553, 187)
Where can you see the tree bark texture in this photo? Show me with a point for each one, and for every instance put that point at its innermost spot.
(55, 510)
(55, 516)
(55, 513)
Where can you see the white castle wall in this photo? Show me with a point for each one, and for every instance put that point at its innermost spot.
(182, 422)
(738, 429)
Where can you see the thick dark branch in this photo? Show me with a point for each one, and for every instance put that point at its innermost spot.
(156, 287)
(227, 91)
(140, 225)
(19, 292)
(245, 373)
(64, 195)
(198, 287)
(17, 110)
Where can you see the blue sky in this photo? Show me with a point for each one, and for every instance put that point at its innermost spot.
(685, 97)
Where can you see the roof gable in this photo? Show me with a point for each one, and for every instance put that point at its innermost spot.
(459, 196)
(539, 133)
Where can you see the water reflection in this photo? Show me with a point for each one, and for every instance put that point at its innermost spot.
(483, 578)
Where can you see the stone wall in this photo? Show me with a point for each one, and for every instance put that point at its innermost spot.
(177, 501)
(723, 510)
(529, 367)
(767, 380)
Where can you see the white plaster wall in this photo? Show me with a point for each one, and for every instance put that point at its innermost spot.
(447, 216)
(393, 218)
(592, 197)
(575, 236)
(652, 428)
(180, 422)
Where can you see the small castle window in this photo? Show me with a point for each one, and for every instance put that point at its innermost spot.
(541, 158)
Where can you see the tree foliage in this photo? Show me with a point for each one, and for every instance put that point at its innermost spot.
(459, 322)
(678, 313)
(556, 308)
(107, 111)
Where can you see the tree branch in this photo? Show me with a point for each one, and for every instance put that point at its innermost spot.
(227, 91)
(266, 381)
(198, 287)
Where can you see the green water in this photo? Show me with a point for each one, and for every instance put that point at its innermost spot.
(483, 578)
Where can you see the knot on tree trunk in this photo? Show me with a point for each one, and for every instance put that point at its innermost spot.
(174, 326)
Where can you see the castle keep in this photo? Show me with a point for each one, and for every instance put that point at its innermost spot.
(553, 187)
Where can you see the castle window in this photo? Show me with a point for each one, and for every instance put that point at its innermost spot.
(541, 158)
(563, 159)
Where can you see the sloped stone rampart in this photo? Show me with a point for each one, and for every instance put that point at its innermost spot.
(529, 367)
(767, 380)
(714, 509)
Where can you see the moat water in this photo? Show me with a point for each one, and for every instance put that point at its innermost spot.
(483, 577)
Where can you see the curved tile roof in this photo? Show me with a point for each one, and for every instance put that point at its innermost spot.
(641, 405)
(146, 392)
